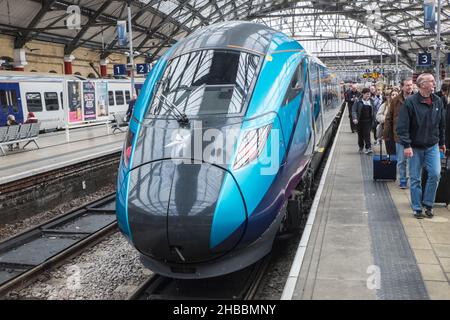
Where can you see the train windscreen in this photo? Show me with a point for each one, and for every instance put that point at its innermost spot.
(206, 82)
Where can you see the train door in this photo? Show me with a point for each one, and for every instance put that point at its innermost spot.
(320, 105)
(311, 109)
(10, 102)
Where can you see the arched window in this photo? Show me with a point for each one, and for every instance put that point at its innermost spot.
(92, 76)
(77, 74)
(52, 71)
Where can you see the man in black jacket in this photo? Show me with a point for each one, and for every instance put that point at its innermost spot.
(421, 130)
(351, 97)
(363, 115)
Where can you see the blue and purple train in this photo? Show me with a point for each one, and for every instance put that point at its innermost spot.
(225, 127)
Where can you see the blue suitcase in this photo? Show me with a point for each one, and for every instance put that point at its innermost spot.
(384, 166)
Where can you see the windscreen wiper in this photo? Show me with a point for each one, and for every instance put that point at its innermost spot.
(181, 117)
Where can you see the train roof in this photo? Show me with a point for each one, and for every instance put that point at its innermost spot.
(19, 75)
(240, 34)
(51, 77)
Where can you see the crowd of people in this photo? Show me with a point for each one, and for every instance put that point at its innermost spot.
(412, 121)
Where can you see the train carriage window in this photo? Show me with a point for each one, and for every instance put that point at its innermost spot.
(4, 102)
(111, 98)
(62, 100)
(51, 101)
(127, 96)
(119, 98)
(13, 101)
(34, 101)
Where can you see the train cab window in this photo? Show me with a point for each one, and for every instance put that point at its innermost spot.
(127, 96)
(119, 98)
(51, 101)
(3, 102)
(34, 101)
(207, 82)
(13, 101)
(111, 98)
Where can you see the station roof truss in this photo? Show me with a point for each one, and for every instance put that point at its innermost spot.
(327, 28)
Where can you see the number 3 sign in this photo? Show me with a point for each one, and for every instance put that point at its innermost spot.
(424, 60)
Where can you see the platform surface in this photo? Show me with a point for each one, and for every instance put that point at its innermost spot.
(365, 243)
(85, 144)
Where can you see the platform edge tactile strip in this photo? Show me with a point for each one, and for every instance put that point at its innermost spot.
(400, 275)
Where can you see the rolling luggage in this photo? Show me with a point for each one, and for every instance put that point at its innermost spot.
(443, 191)
(384, 166)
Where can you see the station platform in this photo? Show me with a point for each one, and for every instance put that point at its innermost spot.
(54, 152)
(362, 242)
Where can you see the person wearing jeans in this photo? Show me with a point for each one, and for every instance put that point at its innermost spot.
(429, 159)
(421, 130)
(402, 165)
(390, 128)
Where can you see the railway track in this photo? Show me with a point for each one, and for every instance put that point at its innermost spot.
(240, 285)
(28, 254)
(58, 174)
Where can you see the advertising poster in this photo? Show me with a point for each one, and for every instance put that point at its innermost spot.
(89, 100)
(102, 99)
(74, 100)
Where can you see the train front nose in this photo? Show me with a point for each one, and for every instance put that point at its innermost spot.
(184, 213)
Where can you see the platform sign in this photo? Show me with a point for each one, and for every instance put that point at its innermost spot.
(424, 60)
(120, 70)
(102, 99)
(143, 68)
(89, 100)
(74, 102)
(122, 37)
(429, 9)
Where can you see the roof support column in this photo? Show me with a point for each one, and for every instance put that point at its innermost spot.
(68, 64)
(20, 60)
(104, 68)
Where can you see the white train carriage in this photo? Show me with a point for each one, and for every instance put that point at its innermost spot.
(42, 94)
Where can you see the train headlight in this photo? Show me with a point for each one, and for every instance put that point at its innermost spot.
(127, 148)
(251, 146)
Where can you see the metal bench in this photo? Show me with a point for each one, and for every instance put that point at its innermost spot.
(119, 121)
(20, 133)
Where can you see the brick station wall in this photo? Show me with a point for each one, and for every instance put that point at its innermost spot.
(50, 56)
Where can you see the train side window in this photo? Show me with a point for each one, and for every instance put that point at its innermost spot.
(111, 98)
(296, 85)
(300, 75)
(14, 103)
(51, 101)
(62, 100)
(4, 102)
(127, 96)
(119, 98)
(34, 101)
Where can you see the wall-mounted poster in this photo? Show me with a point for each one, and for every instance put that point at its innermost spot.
(102, 99)
(89, 100)
(74, 100)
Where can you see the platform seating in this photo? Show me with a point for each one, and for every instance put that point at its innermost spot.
(21, 133)
(119, 121)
